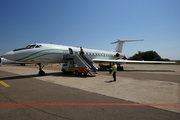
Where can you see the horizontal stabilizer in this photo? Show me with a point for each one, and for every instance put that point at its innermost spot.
(120, 44)
(126, 41)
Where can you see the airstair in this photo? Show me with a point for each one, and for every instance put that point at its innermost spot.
(83, 62)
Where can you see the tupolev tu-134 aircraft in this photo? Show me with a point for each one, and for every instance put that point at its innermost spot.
(50, 53)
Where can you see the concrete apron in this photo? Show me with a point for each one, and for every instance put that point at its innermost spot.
(138, 91)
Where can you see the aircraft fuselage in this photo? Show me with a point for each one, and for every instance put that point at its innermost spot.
(51, 53)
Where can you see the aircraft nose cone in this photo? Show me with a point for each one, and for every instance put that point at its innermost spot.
(9, 55)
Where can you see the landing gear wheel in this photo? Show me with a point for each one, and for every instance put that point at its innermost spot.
(63, 71)
(120, 68)
(22, 64)
(41, 73)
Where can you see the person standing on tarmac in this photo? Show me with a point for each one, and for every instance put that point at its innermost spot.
(114, 69)
(81, 52)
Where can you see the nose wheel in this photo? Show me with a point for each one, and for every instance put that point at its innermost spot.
(41, 72)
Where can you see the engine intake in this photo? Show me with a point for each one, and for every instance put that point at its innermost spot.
(117, 55)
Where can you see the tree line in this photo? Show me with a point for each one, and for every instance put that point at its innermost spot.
(147, 56)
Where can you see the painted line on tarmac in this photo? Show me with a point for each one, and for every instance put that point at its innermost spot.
(86, 104)
(4, 84)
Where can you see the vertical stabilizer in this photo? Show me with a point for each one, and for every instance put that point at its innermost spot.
(120, 44)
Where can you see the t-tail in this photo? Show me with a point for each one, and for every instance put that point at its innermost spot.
(120, 44)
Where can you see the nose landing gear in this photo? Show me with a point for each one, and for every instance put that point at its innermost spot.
(41, 72)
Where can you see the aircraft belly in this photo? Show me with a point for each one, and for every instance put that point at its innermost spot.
(100, 57)
(55, 58)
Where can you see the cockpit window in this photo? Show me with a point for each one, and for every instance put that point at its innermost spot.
(29, 47)
(38, 46)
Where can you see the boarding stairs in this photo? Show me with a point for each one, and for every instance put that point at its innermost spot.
(83, 62)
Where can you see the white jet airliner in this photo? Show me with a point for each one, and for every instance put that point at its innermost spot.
(51, 53)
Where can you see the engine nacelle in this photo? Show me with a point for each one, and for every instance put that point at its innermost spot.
(118, 55)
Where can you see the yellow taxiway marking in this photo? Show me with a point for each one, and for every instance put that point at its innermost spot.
(4, 84)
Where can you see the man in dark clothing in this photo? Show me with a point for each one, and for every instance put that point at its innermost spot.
(81, 51)
(70, 51)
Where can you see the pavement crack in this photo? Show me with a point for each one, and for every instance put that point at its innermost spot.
(48, 113)
(8, 98)
(36, 108)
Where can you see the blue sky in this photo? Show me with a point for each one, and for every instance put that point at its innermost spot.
(92, 24)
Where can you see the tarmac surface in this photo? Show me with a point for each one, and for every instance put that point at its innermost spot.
(140, 92)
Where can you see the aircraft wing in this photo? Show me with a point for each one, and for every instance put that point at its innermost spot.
(128, 61)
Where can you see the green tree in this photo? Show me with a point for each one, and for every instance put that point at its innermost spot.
(137, 56)
(150, 55)
(147, 56)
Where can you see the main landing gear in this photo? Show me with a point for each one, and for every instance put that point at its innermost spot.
(41, 72)
(119, 67)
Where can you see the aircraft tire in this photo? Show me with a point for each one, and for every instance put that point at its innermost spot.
(22, 64)
(41, 73)
(120, 68)
(63, 71)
